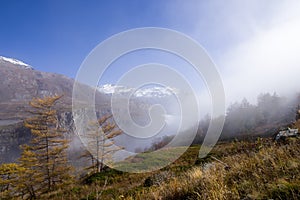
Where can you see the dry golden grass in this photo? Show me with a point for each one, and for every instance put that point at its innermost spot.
(297, 124)
(271, 172)
(257, 170)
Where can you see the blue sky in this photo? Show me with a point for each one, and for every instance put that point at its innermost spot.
(57, 35)
(250, 40)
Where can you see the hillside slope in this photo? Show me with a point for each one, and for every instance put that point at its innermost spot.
(262, 169)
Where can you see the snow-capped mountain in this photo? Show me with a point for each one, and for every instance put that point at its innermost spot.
(15, 62)
(110, 89)
(148, 92)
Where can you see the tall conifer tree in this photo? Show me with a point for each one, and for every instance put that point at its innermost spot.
(45, 158)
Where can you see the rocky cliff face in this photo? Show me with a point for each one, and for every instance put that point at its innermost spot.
(12, 135)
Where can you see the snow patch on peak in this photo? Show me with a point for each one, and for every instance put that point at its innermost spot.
(142, 92)
(155, 91)
(16, 62)
(110, 89)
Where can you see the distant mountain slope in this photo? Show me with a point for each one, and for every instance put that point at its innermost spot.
(20, 83)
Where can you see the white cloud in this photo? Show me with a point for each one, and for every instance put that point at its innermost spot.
(255, 44)
(268, 61)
